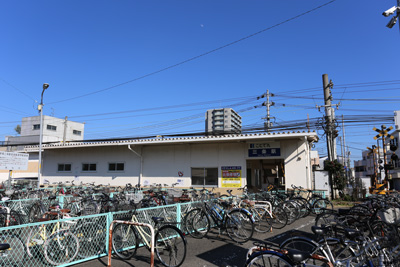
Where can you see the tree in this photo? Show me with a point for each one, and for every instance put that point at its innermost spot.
(18, 129)
(337, 171)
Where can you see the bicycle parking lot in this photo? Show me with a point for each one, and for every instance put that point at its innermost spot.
(215, 250)
(61, 238)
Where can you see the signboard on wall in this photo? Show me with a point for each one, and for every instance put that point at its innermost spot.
(13, 161)
(231, 176)
(266, 149)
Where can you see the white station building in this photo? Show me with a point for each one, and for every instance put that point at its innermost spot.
(226, 161)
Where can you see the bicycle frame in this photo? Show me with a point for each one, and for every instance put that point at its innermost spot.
(137, 224)
(219, 219)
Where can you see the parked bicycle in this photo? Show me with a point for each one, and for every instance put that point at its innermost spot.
(238, 222)
(170, 242)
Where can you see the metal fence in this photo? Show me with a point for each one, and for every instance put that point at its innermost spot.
(70, 241)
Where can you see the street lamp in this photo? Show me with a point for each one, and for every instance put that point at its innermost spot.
(40, 108)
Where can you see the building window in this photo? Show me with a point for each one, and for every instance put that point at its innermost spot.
(51, 127)
(89, 167)
(36, 127)
(76, 132)
(116, 167)
(205, 176)
(64, 167)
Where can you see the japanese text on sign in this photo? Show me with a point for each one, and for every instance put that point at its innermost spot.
(13, 161)
(231, 176)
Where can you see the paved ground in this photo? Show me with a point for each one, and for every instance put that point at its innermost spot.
(214, 250)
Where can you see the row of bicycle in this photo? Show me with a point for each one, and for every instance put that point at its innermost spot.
(365, 235)
(238, 216)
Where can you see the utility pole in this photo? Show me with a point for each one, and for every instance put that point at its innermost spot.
(346, 163)
(268, 124)
(330, 124)
(65, 129)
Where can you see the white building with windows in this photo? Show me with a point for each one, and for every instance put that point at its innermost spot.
(224, 161)
(223, 120)
(54, 130)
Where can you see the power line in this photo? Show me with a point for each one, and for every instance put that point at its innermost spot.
(198, 56)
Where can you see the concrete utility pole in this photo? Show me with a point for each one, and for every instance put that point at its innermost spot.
(268, 104)
(330, 121)
(330, 124)
(345, 162)
(65, 129)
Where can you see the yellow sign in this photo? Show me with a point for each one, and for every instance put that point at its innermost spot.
(231, 176)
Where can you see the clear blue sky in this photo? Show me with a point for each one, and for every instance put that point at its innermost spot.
(155, 67)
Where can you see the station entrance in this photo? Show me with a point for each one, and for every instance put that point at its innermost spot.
(262, 173)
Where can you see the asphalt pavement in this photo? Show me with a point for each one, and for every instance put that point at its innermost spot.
(213, 250)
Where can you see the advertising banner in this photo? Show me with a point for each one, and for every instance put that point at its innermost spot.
(231, 176)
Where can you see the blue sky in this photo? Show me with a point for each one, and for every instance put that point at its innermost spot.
(144, 68)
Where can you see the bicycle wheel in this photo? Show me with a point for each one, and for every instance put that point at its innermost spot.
(291, 211)
(239, 225)
(74, 207)
(34, 213)
(197, 223)
(268, 258)
(3, 218)
(124, 241)
(61, 247)
(15, 255)
(92, 239)
(279, 218)
(170, 246)
(326, 219)
(34, 242)
(262, 219)
(321, 205)
(89, 208)
(15, 218)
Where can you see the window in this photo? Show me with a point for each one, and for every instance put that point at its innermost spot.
(76, 132)
(205, 176)
(51, 127)
(116, 167)
(64, 167)
(36, 127)
(89, 167)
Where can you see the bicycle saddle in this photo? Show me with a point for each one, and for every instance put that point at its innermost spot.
(320, 230)
(298, 256)
(352, 233)
(4, 246)
(157, 219)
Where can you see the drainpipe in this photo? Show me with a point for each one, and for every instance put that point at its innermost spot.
(311, 169)
(141, 163)
(307, 156)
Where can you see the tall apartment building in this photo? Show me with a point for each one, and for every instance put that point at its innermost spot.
(54, 130)
(224, 120)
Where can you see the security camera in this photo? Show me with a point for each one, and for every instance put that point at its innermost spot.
(45, 86)
(390, 11)
(392, 22)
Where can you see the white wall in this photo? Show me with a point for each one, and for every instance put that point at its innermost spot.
(162, 163)
(50, 135)
(99, 155)
(296, 157)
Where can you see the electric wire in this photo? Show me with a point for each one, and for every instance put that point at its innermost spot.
(199, 56)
